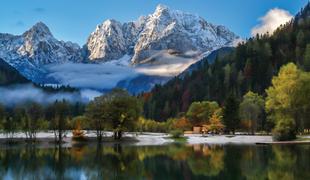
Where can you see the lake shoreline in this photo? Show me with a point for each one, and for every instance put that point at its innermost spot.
(147, 139)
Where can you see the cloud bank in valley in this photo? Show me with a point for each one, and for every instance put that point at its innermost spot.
(90, 78)
(93, 76)
(106, 75)
(168, 65)
(17, 94)
(271, 21)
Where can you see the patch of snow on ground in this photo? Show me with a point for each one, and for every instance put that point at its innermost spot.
(222, 139)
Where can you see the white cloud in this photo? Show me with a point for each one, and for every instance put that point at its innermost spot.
(168, 65)
(12, 95)
(94, 76)
(106, 75)
(271, 21)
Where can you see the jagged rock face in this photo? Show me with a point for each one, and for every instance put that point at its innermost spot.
(107, 42)
(164, 30)
(111, 40)
(38, 46)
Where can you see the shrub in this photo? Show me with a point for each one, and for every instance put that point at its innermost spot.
(176, 133)
(284, 130)
(182, 124)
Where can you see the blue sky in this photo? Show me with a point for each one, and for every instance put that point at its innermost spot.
(74, 20)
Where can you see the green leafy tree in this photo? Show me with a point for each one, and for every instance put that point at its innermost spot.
(284, 102)
(59, 123)
(32, 121)
(7, 123)
(10, 127)
(252, 111)
(302, 102)
(231, 117)
(116, 110)
(96, 113)
(199, 113)
(123, 111)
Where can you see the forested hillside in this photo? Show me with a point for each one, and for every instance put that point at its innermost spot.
(9, 75)
(250, 67)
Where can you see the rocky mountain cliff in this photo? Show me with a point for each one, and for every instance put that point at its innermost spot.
(165, 30)
(34, 48)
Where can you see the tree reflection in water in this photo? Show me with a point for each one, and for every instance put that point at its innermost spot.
(173, 161)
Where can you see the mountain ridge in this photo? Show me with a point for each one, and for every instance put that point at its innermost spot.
(160, 39)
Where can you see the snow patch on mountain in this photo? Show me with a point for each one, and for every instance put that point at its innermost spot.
(164, 30)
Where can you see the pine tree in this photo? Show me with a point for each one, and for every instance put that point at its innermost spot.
(231, 114)
(307, 58)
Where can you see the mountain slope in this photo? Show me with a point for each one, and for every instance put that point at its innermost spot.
(209, 59)
(142, 83)
(250, 66)
(9, 75)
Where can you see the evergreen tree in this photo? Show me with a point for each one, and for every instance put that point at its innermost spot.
(2, 115)
(231, 114)
(306, 62)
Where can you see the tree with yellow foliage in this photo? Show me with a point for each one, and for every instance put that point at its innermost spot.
(288, 101)
(215, 124)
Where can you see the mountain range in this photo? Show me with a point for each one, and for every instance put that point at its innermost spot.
(157, 47)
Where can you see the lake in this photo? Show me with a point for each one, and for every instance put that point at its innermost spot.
(173, 161)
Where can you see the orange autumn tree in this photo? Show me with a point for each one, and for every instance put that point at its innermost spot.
(182, 124)
(215, 124)
(78, 133)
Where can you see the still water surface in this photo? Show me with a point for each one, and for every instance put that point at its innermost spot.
(172, 161)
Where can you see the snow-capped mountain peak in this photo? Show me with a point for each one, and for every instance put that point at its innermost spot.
(34, 48)
(165, 30)
(160, 9)
(38, 30)
(107, 41)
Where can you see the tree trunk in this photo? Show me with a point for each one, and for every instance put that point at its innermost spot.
(99, 136)
(59, 135)
(117, 135)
